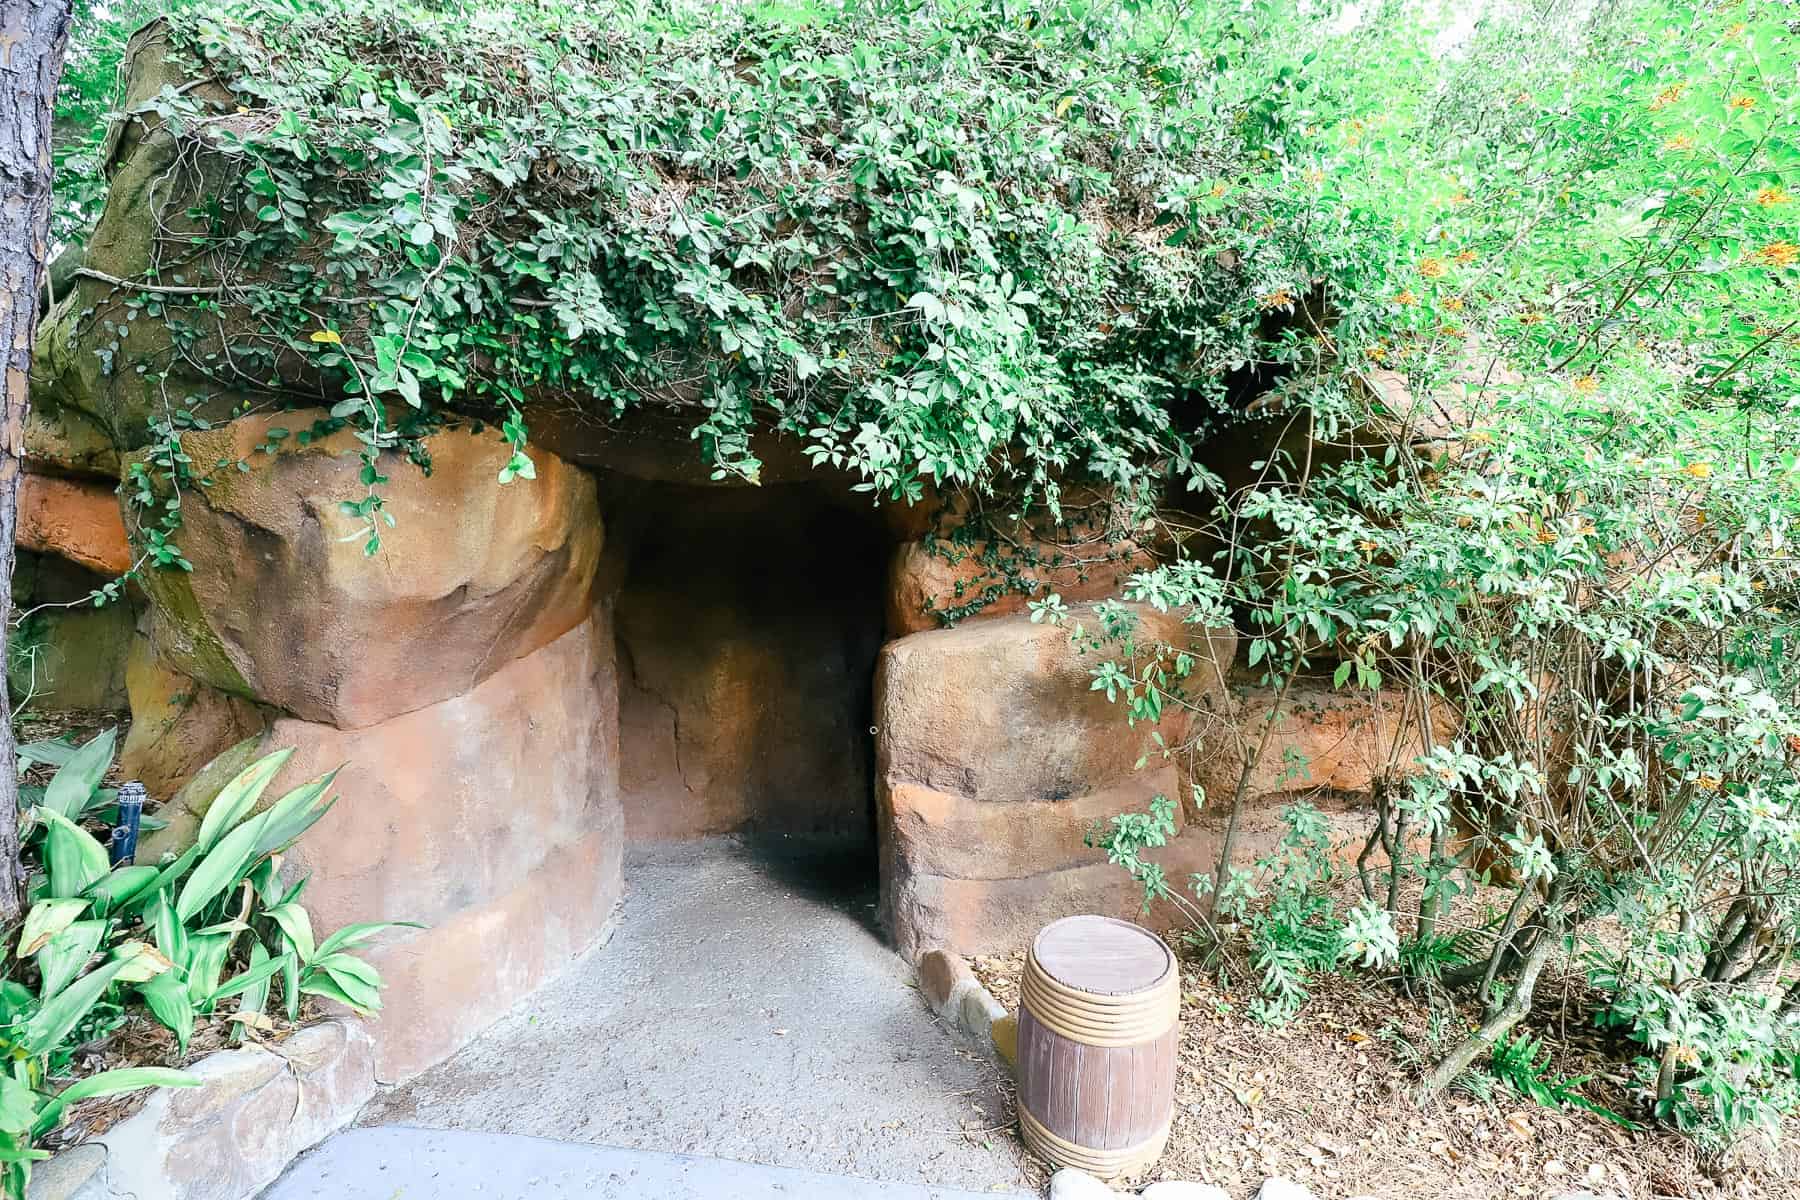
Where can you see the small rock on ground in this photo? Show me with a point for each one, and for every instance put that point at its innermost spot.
(1070, 1184)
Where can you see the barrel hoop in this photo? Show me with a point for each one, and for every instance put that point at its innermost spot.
(1103, 1164)
(1098, 1020)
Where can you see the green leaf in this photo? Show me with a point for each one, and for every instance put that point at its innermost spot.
(169, 932)
(205, 963)
(290, 985)
(109, 1083)
(295, 813)
(256, 993)
(332, 989)
(72, 858)
(296, 926)
(120, 887)
(239, 797)
(355, 935)
(166, 996)
(63, 1011)
(46, 919)
(18, 1106)
(64, 955)
(222, 867)
(258, 973)
(75, 783)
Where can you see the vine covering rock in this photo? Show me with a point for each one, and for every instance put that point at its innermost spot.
(933, 250)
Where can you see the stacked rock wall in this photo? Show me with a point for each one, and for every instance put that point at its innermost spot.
(995, 756)
(67, 654)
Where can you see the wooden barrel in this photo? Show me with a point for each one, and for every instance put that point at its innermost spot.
(1098, 1012)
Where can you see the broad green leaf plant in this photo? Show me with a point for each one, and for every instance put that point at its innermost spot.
(215, 926)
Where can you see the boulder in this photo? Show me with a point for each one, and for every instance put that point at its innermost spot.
(1071, 1184)
(283, 605)
(252, 1112)
(995, 756)
(492, 818)
(178, 725)
(76, 519)
(98, 352)
(446, 804)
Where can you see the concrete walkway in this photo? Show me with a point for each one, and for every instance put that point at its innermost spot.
(745, 1010)
(397, 1163)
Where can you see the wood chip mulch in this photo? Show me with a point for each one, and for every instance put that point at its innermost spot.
(1326, 1101)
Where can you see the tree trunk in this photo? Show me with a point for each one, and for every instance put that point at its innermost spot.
(33, 36)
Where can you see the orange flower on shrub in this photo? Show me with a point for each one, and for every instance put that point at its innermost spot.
(1431, 268)
(1375, 353)
(1769, 197)
(1667, 96)
(1681, 141)
(1776, 254)
(1405, 298)
(1743, 103)
(1465, 257)
(1279, 298)
(1699, 470)
(1453, 304)
(1586, 385)
(1531, 317)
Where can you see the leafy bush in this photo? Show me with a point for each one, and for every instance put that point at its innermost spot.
(178, 938)
(1547, 523)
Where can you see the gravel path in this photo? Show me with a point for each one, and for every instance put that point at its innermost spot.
(746, 1010)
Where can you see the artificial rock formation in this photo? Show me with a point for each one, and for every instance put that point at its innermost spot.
(462, 679)
(994, 758)
(524, 676)
(178, 725)
(76, 519)
(284, 605)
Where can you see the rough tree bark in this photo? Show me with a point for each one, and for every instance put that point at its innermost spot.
(34, 34)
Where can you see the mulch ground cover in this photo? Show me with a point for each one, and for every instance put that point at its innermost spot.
(1327, 1101)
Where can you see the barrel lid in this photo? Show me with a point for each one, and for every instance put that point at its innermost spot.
(1102, 955)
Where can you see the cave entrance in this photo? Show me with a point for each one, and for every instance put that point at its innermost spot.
(748, 623)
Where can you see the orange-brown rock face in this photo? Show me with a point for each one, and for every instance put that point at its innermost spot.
(77, 519)
(1325, 743)
(994, 757)
(283, 605)
(492, 818)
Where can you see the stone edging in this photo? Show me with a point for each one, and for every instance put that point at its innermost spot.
(958, 998)
(258, 1108)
